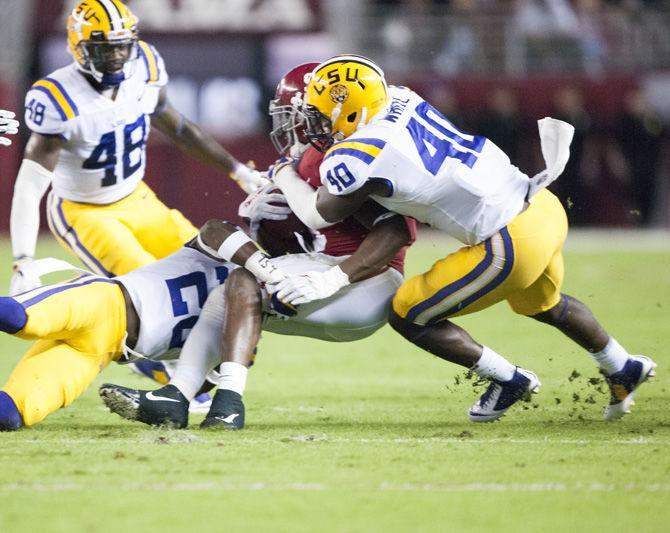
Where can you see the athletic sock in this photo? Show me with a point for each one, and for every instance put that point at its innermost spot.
(494, 366)
(188, 379)
(233, 376)
(612, 358)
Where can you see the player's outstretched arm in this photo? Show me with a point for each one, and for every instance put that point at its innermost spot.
(390, 233)
(202, 146)
(227, 242)
(8, 126)
(32, 181)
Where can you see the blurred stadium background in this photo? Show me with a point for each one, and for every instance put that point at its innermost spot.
(492, 66)
(372, 436)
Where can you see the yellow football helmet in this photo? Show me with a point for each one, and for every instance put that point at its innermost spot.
(102, 38)
(342, 95)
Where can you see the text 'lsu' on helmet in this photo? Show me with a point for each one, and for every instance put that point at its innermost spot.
(288, 120)
(102, 38)
(343, 94)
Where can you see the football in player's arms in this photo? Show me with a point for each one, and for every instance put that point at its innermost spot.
(80, 326)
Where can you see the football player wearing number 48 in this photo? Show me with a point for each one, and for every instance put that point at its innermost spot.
(389, 144)
(90, 122)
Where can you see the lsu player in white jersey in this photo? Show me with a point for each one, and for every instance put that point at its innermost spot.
(8, 126)
(372, 259)
(81, 325)
(90, 122)
(389, 144)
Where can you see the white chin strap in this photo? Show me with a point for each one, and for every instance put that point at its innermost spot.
(364, 118)
(336, 113)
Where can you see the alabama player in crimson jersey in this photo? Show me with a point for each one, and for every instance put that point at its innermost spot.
(368, 266)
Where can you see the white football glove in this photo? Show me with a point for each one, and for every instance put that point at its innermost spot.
(310, 286)
(23, 279)
(7, 125)
(256, 206)
(248, 179)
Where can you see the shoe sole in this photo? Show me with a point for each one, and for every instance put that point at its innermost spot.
(213, 424)
(533, 388)
(118, 403)
(619, 410)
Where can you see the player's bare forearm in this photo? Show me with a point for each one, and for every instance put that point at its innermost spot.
(378, 249)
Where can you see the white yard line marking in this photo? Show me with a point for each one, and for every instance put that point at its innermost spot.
(318, 487)
(164, 438)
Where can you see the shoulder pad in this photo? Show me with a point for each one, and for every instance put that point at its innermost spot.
(153, 64)
(347, 165)
(49, 106)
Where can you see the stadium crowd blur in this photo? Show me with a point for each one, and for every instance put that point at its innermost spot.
(619, 170)
(493, 67)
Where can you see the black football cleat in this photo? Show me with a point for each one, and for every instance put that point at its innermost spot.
(226, 412)
(165, 407)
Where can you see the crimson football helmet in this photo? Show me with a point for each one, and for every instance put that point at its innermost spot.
(288, 120)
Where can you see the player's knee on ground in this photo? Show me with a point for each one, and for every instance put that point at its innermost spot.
(13, 316)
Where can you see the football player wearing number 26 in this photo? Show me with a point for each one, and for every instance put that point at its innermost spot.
(389, 144)
(90, 122)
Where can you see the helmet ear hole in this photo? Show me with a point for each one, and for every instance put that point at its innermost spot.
(352, 117)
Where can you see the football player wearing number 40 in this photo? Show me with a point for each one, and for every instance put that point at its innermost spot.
(90, 122)
(389, 144)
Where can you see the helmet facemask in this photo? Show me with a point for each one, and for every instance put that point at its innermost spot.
(288, 123)
(318, 128)
(109, 61)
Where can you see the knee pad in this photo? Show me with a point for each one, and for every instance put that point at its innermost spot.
(13, 316)
(10, 417)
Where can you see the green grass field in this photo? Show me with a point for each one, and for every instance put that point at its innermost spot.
(373, 435)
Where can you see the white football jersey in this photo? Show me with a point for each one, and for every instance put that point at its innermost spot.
(168, 296)
(104, 156)
(461, 184)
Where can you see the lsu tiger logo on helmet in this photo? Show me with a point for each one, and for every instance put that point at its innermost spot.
(102, 38)
(342, 95)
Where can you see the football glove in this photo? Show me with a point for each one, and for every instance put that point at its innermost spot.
(249, 179)
(7, 125)
(258, 205)
(310, 286)
(23, 279)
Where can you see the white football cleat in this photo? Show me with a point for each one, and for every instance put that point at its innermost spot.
(623, 384)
